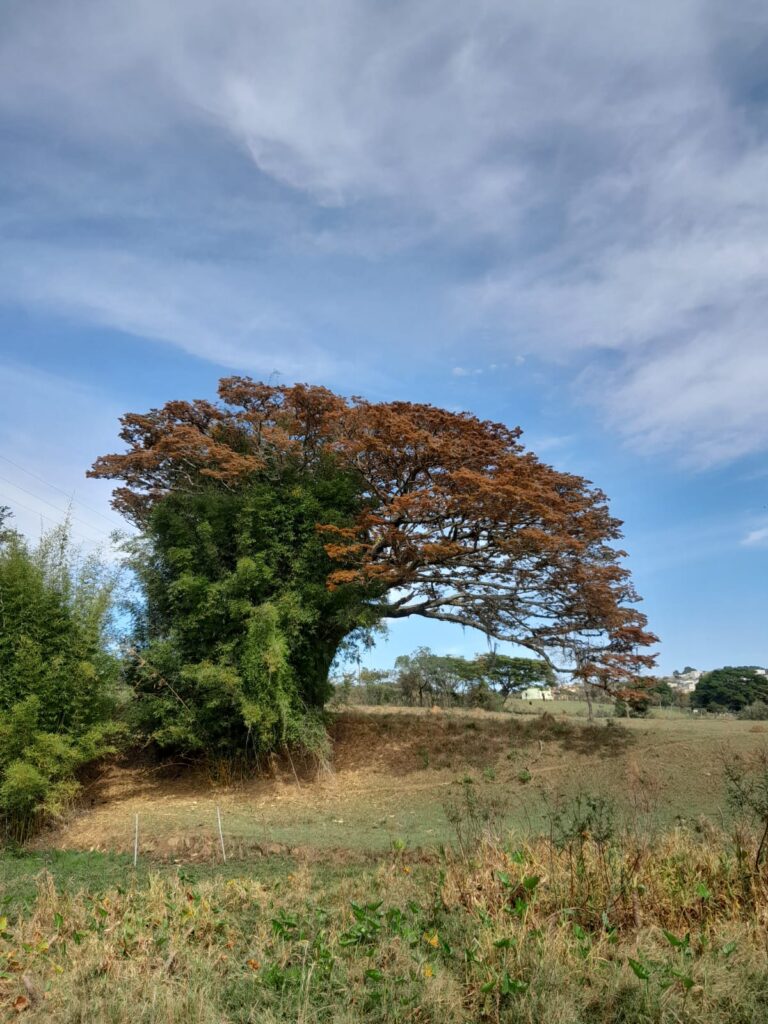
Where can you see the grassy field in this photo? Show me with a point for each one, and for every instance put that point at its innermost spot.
(579, 709)
(453, 866)
(397, 776)
(593, 929)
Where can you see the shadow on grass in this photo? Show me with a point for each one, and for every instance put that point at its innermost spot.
(609, 740)
(401, 744)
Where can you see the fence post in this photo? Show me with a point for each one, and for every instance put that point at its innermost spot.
(221, 834)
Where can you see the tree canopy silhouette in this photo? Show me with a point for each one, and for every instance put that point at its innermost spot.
(354, 512)
(733, 688)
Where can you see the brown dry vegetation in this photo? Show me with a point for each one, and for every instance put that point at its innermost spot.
(595, 929)
(395, 772)
(604, 919)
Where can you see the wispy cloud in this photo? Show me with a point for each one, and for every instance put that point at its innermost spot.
(757, 537)
(254, 183)
(208, 308)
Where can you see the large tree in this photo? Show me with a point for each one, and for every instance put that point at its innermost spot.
(312, 515)
(510, 675)
(731, 688)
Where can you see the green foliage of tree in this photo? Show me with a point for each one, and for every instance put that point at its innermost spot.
(378, 687)
(237, 629)
(663, 694)
(57, 676)
(425, 677)
(730, 688)
(509, 675)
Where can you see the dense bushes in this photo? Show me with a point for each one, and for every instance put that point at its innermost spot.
(757, 711)
(57, 677)
(236, 628)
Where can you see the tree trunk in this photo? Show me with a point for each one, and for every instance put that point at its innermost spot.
(314, 666)
(588, 696)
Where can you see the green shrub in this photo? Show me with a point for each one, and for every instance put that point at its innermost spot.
(57, 677)
(633, 708)
(237, 629)
(757, 711)
(23, 789)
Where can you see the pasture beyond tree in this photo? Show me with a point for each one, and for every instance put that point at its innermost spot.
(282, 522)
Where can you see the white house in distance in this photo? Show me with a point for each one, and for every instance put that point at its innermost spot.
(535, 693)
(685, 681)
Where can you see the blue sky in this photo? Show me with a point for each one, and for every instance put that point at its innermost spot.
(552, 214)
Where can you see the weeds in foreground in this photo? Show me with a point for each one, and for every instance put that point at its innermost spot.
(747, 788)
(591, 927)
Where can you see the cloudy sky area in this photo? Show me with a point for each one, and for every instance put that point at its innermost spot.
(550, 213)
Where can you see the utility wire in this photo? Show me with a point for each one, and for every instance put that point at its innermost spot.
(53, 522)
(113, 522)
(62, 512)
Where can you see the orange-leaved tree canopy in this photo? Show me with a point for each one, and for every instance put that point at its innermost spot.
(452, 519)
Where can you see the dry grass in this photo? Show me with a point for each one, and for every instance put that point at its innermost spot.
(394, 772)
(608, 919)
(594, 928)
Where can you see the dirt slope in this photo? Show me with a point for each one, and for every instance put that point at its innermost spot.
(397, 775)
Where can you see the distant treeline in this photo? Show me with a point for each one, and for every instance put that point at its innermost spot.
(424, 678)
(488, 680)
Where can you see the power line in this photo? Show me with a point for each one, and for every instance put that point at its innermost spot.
(35, 512)
(62, 512)
(113, 522)
(48, 519)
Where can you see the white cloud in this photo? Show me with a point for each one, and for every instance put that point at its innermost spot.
(757, 537)
(670, 316)
(543, 443)
(208, 309)
(609, 158)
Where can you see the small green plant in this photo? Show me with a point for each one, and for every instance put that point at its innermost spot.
(587, 818)
(368, 920)
(747, 789)
(474, 816)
